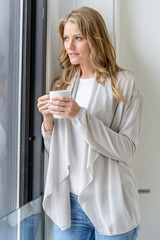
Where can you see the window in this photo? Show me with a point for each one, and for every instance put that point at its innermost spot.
(22, 71)
(19, 91)
(9, 103)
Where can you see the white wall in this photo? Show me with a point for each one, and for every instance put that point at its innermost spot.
(105, 7)
(139, 51)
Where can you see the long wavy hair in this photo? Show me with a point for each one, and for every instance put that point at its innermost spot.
(102, 56)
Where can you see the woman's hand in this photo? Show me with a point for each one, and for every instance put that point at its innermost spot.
(43, 103)
(64, 106)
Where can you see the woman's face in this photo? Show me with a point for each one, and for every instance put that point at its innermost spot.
(76, 45)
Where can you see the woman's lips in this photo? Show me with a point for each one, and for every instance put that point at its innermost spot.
(73, 54)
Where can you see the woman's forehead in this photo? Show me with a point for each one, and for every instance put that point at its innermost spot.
(71, 28)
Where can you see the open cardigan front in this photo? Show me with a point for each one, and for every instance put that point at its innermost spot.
(108, 190)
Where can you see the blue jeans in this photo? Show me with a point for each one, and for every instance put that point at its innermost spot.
(82, 229)
(28, 229)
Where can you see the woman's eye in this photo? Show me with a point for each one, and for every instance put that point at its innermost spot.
(66, 39)
(79, 38)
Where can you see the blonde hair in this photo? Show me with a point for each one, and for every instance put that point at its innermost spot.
(102, 56)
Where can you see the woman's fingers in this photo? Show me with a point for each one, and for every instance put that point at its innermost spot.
(42, 103)
(43, 107)
(42, 100)
(61, 98)
(64, 106)
(44, 97)
(57, 108)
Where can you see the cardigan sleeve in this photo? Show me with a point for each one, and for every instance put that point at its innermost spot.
(46, 137)
(119, 146)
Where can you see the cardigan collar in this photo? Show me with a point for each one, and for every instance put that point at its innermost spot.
(74, 87)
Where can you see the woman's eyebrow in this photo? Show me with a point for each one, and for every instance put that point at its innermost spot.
(79, 34)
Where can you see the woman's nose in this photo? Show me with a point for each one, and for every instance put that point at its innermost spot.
(71, 44)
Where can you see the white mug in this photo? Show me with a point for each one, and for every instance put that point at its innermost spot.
(64, 93)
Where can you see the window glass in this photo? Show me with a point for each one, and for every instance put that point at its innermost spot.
(25, 223)
(9, 99)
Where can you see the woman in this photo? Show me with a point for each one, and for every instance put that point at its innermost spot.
(91, 191)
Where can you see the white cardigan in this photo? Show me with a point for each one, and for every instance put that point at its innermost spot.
(111, 129)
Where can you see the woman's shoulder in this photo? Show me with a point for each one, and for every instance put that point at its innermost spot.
(127, 83)
(125, 76)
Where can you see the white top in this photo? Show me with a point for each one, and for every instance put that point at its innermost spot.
(111, 129)
(78, 149)
(84, 91)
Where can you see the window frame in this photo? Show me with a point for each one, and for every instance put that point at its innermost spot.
(33, 86)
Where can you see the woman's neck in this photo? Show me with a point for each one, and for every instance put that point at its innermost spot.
(87, 72)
